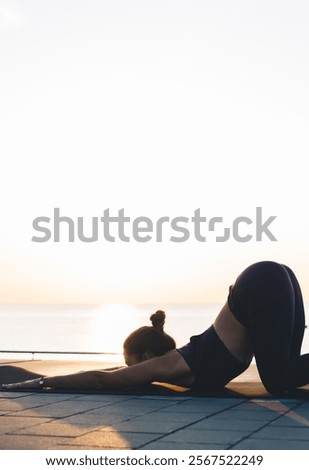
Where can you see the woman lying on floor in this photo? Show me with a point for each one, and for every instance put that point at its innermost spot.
(263, 316)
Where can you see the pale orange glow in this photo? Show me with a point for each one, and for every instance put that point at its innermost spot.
(145, 278)
(114, 115)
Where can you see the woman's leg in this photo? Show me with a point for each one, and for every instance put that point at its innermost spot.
(268, 298)
(299, 316)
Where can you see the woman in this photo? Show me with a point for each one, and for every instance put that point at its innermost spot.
(263, 316)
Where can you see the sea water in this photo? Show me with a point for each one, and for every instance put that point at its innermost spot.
(94, 330)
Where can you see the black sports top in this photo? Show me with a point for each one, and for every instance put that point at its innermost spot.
(212, 364)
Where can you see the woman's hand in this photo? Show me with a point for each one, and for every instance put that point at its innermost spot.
(33, 384)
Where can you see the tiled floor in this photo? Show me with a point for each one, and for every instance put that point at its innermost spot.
(63, 421)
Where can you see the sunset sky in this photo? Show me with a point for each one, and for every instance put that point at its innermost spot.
(160, 108)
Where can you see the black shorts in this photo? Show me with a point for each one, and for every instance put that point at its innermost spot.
(263, 272)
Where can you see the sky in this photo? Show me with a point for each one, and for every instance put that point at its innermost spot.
(159, 108)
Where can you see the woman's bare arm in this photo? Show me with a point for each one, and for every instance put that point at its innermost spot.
(170, 367)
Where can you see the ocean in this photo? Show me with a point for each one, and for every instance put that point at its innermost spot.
(82, 332)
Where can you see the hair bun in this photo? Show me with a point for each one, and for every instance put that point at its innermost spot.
(158, 319)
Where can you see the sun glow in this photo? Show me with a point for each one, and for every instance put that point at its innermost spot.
(111, 324)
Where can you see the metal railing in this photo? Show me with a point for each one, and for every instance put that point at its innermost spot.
(19, 351)
(34, 353)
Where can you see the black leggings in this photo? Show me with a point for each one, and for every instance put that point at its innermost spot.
(266, 298)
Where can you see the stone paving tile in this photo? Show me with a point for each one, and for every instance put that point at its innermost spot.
(205, 409)
(271, 444)
(214, 400)
(159, 445)
(42, 399)
(235, 414)
(282, 432)
(30, 402)
(185, 418)
(263, 407)
(60, 395)
(99, 420)
(124, 413)
(12, 423)
(72, 447)
(302, 411)
(12, 395)
(7, 406)
(144, 424)
(132, 409)
(291, 419)
(202, 436)
(11, 442)
(304, 405)
(261, 410)
(218, 424)
(59, 409)
(55, 428)
(113, 439)
(149, 403)
(104, 399)
(167, 397)
(269, 401)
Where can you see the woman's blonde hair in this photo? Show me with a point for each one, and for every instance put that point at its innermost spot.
(150, 339)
